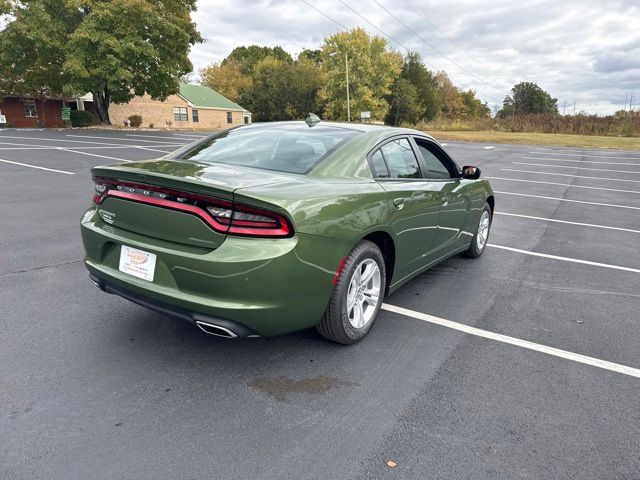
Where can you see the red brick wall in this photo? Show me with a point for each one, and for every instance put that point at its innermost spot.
(13, 109)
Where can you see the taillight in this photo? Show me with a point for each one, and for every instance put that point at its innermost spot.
(221, 215)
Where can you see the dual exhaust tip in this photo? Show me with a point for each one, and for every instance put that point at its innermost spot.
(216, 330)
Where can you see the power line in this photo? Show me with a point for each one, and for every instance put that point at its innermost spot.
(325, 15)
(434, 48)
(382, 32)
(435, 27)
(427, 43)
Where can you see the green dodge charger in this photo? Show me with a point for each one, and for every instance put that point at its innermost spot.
(269, 228)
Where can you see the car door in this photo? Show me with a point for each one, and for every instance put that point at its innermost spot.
(414, 203)
(455, 200)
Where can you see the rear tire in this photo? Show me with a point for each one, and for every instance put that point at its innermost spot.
(356, 297)
(481, 237)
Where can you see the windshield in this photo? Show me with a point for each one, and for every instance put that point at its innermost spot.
(292, 148)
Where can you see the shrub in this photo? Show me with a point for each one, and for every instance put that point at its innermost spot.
(81, 118)
(151, 125)
(135, 120)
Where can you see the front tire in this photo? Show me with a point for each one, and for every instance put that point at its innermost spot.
(481, 237)
(356, 297)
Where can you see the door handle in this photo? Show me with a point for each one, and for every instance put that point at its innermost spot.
(398, 203)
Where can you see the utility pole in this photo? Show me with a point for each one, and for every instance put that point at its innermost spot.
(564, 108)
(626, 95)
(574, 107)
(631, 102)
(346, 68)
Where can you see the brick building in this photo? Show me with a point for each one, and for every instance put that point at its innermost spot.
(195, 106)
(30, 112)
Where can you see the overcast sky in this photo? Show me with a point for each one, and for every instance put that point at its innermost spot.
(587, 52)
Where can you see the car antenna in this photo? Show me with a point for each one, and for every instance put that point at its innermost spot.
(312, 119)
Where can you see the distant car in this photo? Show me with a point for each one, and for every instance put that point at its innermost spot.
(266, 229)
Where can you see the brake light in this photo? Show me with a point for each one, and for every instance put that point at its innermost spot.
(221, 215)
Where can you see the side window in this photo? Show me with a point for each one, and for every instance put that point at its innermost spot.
(379, 167)
(438, 166)
(400, 159)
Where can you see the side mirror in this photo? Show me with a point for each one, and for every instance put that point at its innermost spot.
(470, 173)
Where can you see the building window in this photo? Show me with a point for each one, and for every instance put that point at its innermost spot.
(229, 117)
(30, 109)
(194, 115)
(180, 114)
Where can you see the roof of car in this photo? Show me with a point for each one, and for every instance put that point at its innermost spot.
(360, 127)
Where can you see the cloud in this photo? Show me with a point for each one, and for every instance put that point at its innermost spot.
(581, 51)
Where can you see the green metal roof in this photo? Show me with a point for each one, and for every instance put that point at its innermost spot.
(205, 97)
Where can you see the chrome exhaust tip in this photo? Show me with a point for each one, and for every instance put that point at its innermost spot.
(217, 330)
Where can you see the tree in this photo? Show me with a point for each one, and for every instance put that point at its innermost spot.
(372, 71)
(526, 98)
(452, 105)
(227, 79)
(248, 57)
(404, 105)
(31, 58)
(283, 90)
(415, 71)
(123, 48)
(475, 108)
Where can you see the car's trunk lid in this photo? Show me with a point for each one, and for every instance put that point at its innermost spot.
(168, 199)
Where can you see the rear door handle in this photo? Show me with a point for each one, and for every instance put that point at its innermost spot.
(398, 203)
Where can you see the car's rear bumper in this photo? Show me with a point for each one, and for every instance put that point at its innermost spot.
(254, 286)
(233, 329)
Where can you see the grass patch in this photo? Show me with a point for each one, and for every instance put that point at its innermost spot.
(557, 139)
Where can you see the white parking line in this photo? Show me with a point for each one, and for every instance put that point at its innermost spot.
(154, 149)
(96, 155)
(92, 142)
(131, 139)
(39, 168)
(637, 172)
(174, 137)
(569, 175)
(580, 161)
(537, 347)
(103, 147)
(567, 200)
(565, 259)
(563, 184)
(590, 156)
(196, 135)
(567, 222)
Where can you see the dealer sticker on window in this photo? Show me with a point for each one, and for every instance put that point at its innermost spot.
(138, 263)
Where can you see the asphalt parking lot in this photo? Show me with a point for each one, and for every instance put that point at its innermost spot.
(521, 364)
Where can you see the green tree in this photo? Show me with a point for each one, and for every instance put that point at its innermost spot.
(526, 98)
(248, 57)
(415, 71)
(475, 108)
(31, 57)
(227, 79)
(124, 48)
(283, 90)
(372, 71)
(404, 105)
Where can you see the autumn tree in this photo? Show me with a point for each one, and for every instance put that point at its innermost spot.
(372, 71)
(227, 79)
(247, 57)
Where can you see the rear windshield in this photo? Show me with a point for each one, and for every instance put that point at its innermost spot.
(290, 148)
